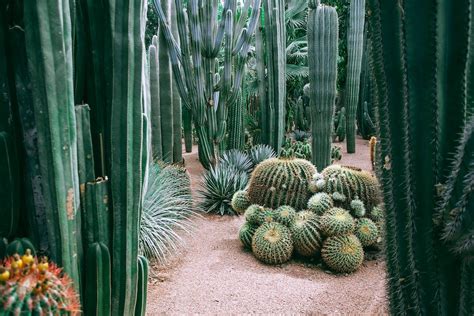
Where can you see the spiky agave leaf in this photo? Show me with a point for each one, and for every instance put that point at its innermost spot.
(168, 212)
(238, 159)
(260, 153)
(218, 187)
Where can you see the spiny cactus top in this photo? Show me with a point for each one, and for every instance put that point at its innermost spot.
(277, 182)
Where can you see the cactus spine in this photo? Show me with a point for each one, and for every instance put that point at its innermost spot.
(355, 39)
(323, 35)
(97, 298)
(431, 107)
(194, 62)
(50, 63)
(275, 43)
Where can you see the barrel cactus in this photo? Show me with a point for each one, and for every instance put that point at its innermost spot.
(272, 243)
(352, 182)
(285, 215)
(246, 233)
(343, 253)
(320, 203)
(277, 182)
(367, 232)
(337, 221)
(253, 214)
(30, 286)
(305, 233)
(357, 208)
(240, 201)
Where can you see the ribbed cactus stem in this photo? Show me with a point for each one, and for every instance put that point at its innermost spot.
(156, 141)
(126, 154)
(50, 63)
(97, 296)
(9, 187)
(355, 45)
(177, 112)
(322, 60)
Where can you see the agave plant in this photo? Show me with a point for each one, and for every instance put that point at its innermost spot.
(260, 153)
(219, 185)
(238, 159)
(168, 212)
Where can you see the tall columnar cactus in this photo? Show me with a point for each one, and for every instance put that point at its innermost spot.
(97, 297)
(262, 84)
(50, 64)
(166, 89)
(140, 308)
(85, 154)
(355, 40)
(322, 60)
(156, 141)
(275, 43)
(423, 59)
(9, 188)
(177, 107)
(187, 129)
(194, 62)
(126, 150)
(96, 216)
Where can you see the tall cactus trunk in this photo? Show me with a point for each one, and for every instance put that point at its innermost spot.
(177, 115)
(262, 84)
(166, 90)
(323, 35)
(156, 141)
(126, 145)
(423, 55)
(355, 39)
(188, 130)
(50, 63)
(275, 42)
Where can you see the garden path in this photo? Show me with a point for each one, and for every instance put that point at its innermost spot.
(214, 275)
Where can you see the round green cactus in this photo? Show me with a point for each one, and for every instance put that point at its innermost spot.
(246, 233)
(272, 243)
(267, 216)
(276, 182)
(337, 221)
(253, 214)
(320, 203)
(240, 201)
(305, 233)
(343, 253)
(352, 182)
(357, 207)
(377, 214)
(285, 215)
(367, 232)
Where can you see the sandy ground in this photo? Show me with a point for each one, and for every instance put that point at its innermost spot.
(213, 274)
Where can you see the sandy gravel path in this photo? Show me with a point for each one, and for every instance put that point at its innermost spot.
(215, 275)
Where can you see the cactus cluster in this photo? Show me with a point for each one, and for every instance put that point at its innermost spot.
(276, 182)
(33, 286)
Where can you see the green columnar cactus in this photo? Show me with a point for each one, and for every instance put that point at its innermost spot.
(140, 309)
(343, 253)
(166, 89)
(50, 63)
(426, 128)
(9, 188)
(194, 62)
(323, 35)
(188, 129)
(96, 219)
(352, 182)
(355, 41)
(156, 141)
(276, 182)
(341, 125)
(126, 154)
(85, 153)
(177, 112)
(98, 280)
(305, 233)
(262, 85)
(272, 243)
(275, 43)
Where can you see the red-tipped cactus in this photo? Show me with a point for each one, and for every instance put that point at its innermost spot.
(29, 284)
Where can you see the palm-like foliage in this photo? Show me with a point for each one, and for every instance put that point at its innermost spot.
(219, 185)
(168, 212)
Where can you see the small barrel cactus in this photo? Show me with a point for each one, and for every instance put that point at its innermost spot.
(246, 233)
(320, 203)
(277, 182)
(253, 214)
(305, 233)
(240, 201)
(377, 214)
(285, 215)
(367, 232)
(357, 207)
(337, 221)
(343, 253)
(352, 182)
(30, 286)
(272, 243)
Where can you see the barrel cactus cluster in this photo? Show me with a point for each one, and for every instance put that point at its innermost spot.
(293, 209)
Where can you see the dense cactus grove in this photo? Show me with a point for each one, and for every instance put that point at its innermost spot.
(104, 105)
